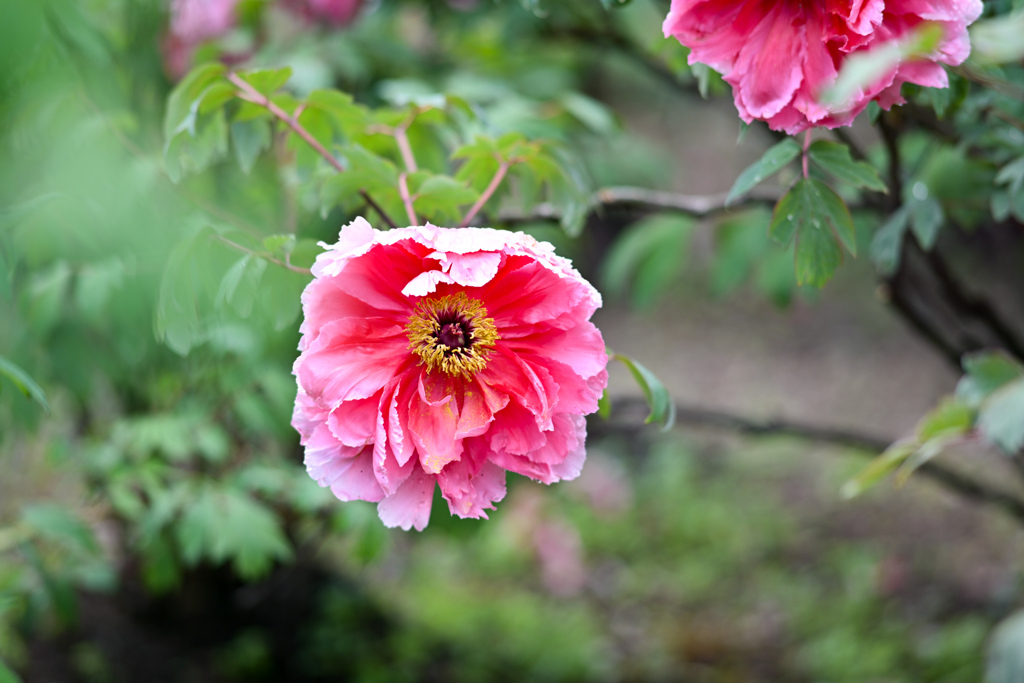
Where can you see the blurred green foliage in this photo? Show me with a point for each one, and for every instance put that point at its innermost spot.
(155, 237)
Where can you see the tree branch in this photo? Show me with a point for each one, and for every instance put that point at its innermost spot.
(647, 200)
(949, 478)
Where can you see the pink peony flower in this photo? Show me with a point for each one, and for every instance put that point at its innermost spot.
(780, 55)
(193, 22)
(444, 355)
(334, 12)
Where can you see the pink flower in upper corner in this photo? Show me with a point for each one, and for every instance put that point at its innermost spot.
(193, 22)
(780, 55)
(444, 355)
(334, 12)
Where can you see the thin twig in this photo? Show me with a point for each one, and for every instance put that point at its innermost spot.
(403, 191)
(870, 445)
(402, 138)
(488, 193)
(245, 250)
(250, 94)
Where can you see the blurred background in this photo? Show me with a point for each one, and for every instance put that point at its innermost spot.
(157, 523)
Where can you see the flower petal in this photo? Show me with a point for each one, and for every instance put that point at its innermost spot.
(409, 506)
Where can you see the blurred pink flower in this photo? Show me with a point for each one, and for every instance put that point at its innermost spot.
(560, 555)
(779, 55)
(192, 23)
(444, 355)
(335, 12)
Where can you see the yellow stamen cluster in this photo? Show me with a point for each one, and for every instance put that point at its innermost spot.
(452, 334)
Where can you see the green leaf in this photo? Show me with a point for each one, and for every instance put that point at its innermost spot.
(834, 158)
(228, 525)
(24, 382)
(951, 417)
(925, 220)
(177, 314)
(813, 213)
(441, 196)
(59, 524)
(862, 69)
(887, 244)
(879, 468)
(773, 161)
(182, 103)
(1001, 418)
(604, 405)
(588, 111)
(240, 286)
(649, 255)
(997, 40)
(985, 372)
(249, 139)
(663, 408)
(7, 674)
(267, 81)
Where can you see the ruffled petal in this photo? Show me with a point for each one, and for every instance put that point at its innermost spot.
(409, 506)
(352, 358)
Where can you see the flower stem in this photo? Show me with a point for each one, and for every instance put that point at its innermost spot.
(402, 138)
(488, 193)
(807, 146)
(403, 190)
(251, 94)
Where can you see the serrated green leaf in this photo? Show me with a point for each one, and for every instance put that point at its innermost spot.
(819, 220)
(249, 139)
(879, 468)
(773, 161)
(1001, 417)
(663, 408)
(223, 524)
(834, 158)
(24, 382)
(985, 372)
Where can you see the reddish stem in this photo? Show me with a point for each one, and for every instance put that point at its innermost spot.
(251, 94)
(403, 190)
(488, 193)
(402, 138)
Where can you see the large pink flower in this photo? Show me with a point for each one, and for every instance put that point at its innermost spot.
(779, 55)
(444, 355)
(334, 12)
